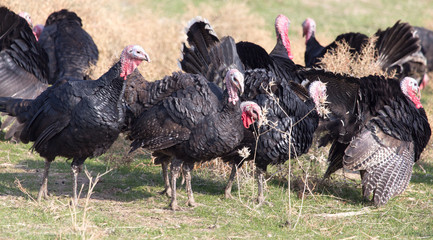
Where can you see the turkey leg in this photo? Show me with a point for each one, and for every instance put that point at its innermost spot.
(43, 191)
(176, 164)
(75, 170)
(167, 188)
(187, 168)
(228, 190)
(260, 197)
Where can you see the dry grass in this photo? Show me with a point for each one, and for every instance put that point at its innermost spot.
(340, 60)
(115, 26)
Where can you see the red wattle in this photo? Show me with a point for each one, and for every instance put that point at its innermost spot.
(247, 121)
(416, 101)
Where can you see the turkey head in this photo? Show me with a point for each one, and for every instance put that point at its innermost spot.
(409, 86)
(131, 57)
(251, 112)
(309, 28)
(317, 92)
(234, 83)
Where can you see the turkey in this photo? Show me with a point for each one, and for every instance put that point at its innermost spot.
(292, 119)
(23, 64)
(36, 29)
(71, 50)
(377, 126)
(397, 48)
(75, 118)
(252, 56)
(195, 120)
(26, 68)
(426, 37)
(314, 50)
(279, 60)
(290, 108)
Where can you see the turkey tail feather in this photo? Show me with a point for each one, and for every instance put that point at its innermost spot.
(12, 106)
(396, 44)
(207, 55)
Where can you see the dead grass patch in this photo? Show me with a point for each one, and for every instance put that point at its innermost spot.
(112, 28)
(341, 60)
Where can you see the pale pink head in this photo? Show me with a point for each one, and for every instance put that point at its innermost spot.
(251, 112)
(37, 30)
(282, 24)
(317, 92)
(409, 87)
(234, 82)
(309, 28)
(130, 58)
(27, 17)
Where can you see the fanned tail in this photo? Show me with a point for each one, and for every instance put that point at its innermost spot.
(395, 45)
(200, 36)
(206, 54)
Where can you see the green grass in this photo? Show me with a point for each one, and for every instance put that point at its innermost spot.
(126, 204)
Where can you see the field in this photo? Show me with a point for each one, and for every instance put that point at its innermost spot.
(125, 203)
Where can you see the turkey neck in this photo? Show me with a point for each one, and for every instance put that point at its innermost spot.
(112, 86)
(229, 107)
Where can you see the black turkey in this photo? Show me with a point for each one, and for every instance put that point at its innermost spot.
(377, 126)
(291, 109)
(252, 56)
(71, 50)
(426, 37)
(75, 118)
(28, 66)
(195, 121)
(397, 48)
(37, 29)
(23, 64)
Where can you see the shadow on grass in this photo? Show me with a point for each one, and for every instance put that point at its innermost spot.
(128, 183)
(342, 189)
(125, 183)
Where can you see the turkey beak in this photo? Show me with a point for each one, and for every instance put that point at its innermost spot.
(238, 81)
(304, 28)
(146, 57)
(139, 53)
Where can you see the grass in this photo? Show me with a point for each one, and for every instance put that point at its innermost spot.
(125, 203)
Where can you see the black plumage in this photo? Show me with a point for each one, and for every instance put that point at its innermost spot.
(71, 50)
(75, 118)
(27, 66)
(279, 60)
(23, 64)
(426, 37)
(376, 126)
(291, 114)
(185, 118)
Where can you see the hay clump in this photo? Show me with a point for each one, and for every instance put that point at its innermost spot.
(341, 60)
